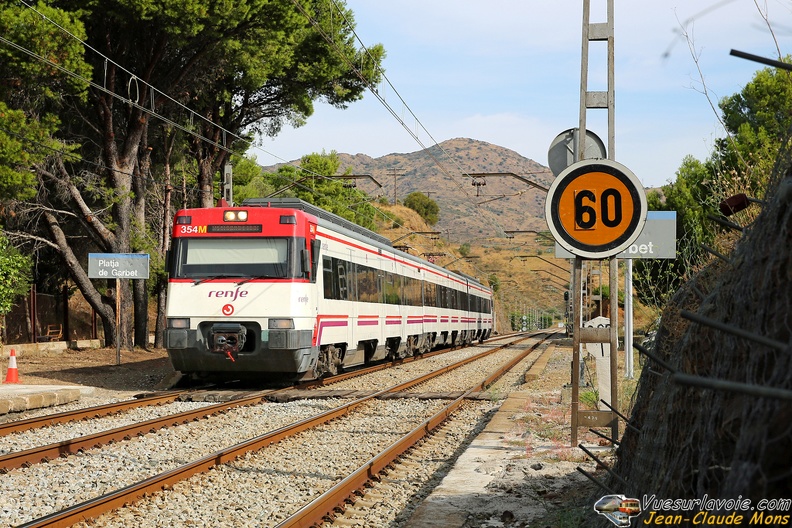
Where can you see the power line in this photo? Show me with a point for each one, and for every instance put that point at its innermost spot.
(135, 103)
(111, 93)
(387, 106)
(376, 93)
(135, 78)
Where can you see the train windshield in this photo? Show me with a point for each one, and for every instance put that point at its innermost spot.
(206, 258)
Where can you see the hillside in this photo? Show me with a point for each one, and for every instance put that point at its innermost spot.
(532, 280)
(466, 211)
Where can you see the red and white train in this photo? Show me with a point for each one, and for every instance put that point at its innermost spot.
(281, 289)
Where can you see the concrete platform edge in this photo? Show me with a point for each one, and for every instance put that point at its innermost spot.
(445, 507)
(21, 398)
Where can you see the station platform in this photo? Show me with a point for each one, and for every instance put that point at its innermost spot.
(465, 488)
(20, 397)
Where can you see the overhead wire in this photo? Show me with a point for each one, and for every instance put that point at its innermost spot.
(135, 103)
(382, 100)
(134, 78)
(374, 92)
(128, 100)
(112, 94)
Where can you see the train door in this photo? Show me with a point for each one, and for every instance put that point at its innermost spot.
(357, 342)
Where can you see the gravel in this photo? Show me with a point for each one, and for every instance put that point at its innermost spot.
(262, 488)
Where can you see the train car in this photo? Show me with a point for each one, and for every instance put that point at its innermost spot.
(281, 289)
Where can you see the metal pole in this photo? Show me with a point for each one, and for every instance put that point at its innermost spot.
(614, 340)
(576, 353)
(628, 322)
(118, 321)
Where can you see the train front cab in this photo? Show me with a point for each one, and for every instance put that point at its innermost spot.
(233, 311)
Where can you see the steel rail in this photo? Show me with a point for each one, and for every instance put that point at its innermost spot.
(88, 412)
(319, 509)
(161, 398)
(323, 382)
(48, 452)
(94, 507)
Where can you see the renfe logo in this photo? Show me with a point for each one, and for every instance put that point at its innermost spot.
(228, 294)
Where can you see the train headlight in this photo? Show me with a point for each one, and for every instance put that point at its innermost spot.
(281, 324)
(179, 323)
(235, 216)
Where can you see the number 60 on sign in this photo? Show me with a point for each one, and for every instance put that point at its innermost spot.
(596, 208)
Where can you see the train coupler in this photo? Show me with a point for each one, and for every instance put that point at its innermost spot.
(228, 339)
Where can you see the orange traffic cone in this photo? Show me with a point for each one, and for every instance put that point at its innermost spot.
(12, 374)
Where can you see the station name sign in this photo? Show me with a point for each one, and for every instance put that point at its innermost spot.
(656, 241)
(118, 265)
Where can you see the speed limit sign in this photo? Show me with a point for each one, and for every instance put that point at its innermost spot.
(596, 208)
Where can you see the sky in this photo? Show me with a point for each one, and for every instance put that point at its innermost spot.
(508, 72)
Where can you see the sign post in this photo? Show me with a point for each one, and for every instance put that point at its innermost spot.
(656, 241)
(118, 266)
(595, 209)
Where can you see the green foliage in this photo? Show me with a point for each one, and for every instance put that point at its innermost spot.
(604, 290)
(258, 187)
(494, 282)
(313, 183)
(655, 280)
(464, 249)
(249, 180)
(16, 155)
(33, 90)
(757, 119)
(589, 399)
(424, 206)
(532, 320)
(249, 66)
(245, 169)
(43, 81)
(15, 274)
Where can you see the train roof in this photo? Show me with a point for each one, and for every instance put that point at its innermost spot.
(296, 203)
(347, 225)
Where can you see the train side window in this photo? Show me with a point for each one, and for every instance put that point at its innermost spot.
(367, 284)
(340, 270)
(409, 288)
(392, 288)
(316, 246)
(327, 275)
(429, 294)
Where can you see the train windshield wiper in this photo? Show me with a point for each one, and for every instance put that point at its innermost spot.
(255, 277)
(214, 277)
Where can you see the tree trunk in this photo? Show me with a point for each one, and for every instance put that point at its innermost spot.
(164, 242)
(205, 180)
(104, 306)
(141, 313)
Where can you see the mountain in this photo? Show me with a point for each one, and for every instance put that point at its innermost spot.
(525, 266)
(467, 211)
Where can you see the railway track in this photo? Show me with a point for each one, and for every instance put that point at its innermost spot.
(222, 458)
(165, 397)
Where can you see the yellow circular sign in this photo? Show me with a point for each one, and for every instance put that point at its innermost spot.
(596, 208)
